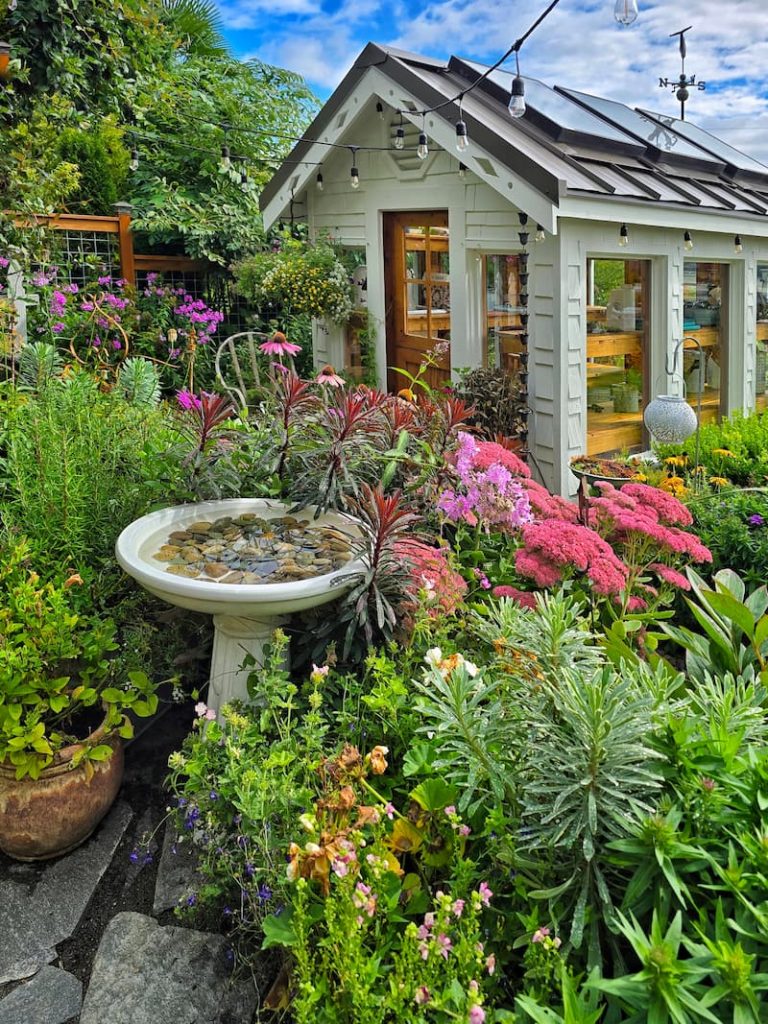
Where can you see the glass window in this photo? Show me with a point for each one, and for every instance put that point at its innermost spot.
(503, 325)
(617, 354)
(761, 359)
(427, 309)
(704, 372)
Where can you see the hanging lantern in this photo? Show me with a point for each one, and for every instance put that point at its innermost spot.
(670, 419)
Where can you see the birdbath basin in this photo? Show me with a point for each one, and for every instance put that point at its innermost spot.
(247, 562)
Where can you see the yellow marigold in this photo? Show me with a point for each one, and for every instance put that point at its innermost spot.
(672, 484)
(719, 481)
(641, 478)
(676, 460)
(723, 451)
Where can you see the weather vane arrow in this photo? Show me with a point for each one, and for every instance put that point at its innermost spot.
(683, 83)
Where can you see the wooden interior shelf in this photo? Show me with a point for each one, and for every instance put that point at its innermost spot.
(619, 343)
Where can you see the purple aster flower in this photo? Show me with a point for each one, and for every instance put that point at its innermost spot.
(133, 856)
(756, 520)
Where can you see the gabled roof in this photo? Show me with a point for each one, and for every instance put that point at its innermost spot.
(567, 143)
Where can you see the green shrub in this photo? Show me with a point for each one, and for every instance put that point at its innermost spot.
(734, 526)
(103, 164)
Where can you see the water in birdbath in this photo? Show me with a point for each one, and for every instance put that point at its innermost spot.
(248, 549)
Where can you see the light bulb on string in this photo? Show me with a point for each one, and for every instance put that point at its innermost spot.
(422, 149)
(134, 164)
(380, 110)
(625, 11)
(400, 135)
(462, 171)
(244, 183)
(517, 95)
(319, 182)
(462, 139)
(354, 174)
(226, 160)
(623, 236)
(687, 241)
(737, 246)
(540, 235)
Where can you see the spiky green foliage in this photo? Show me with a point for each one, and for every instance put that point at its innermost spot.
(556, 633)
(39, 363)
(139, 382)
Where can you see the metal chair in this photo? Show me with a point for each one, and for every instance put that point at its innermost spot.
(239, 356)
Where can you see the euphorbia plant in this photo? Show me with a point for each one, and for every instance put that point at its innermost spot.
(55, 664)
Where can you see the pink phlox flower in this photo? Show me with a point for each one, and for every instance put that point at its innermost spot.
(188, 400)
(429, 920)
(423, 932)
(423, 950)
(464, 830)
(450, 810)
(444, 945)
(476, 1015)
(540, 934)
(458, 907)
(200, 709)
(210, 714)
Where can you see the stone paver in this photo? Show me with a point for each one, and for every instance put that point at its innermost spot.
(51, 997)
(177, 873)
(146, 974)
(35, 917)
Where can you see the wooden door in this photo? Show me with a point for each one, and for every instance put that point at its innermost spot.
(417, 279)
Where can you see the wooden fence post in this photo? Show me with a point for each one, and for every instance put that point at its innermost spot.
(125, 242)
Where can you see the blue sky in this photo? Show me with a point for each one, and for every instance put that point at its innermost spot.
(580, 45)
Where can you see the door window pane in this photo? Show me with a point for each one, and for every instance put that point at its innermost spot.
(617, 354)
(703, 313)
(761, 361)
(427, 306)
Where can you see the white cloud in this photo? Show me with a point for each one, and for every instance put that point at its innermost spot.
(249, 14)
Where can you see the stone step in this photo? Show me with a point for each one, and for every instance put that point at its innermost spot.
(147, 974)
(50, 997)
(41, 904)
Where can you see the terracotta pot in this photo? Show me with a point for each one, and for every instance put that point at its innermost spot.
(51, 815)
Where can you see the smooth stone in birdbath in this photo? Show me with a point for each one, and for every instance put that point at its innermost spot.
(51, 997)
(38, 916)
(146, 974)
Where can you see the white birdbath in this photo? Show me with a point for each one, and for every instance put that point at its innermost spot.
(245, 615)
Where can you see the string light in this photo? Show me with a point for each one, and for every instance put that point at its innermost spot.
(319, 182)
(623, 236)
(462, 138)
(244, 183)
(380, 110)
(462, 171)
(354, 174)
(737, 246)
(422, 149)
(687, 241)
(625, 12)
(134, 164)
(540, 235)
(400, 135)
(517, 96)
(226, 160)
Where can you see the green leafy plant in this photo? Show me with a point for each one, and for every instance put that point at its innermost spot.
(54, 664)
(139, 382)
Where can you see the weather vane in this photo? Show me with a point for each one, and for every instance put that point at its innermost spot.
(683, 83)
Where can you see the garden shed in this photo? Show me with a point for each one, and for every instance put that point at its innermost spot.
(577, 245)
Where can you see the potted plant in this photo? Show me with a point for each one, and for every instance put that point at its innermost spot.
(63, 716)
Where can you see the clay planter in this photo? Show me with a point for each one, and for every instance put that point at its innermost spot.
(51, 815)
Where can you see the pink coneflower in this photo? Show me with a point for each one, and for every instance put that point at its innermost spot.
(329, 376)
(278, 345)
